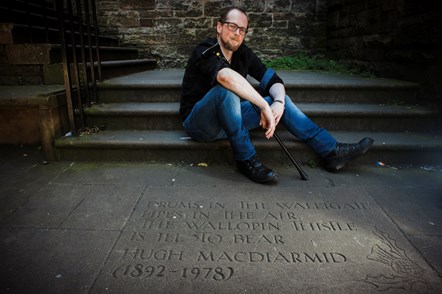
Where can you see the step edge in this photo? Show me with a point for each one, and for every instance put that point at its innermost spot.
(176, 140)
(313, 109)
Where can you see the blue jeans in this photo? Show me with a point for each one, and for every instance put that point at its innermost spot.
(221, 114)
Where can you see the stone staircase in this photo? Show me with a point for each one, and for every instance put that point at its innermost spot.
(33, 107)
(137, 114)
(31, 51)
(138, 118)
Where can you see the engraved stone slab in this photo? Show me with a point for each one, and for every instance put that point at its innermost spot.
(262, 239)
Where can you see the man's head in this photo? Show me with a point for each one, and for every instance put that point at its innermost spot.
(232, 28)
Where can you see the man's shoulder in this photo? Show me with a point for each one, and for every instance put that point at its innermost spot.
(244, 49)
(206, 48)
(206, 43)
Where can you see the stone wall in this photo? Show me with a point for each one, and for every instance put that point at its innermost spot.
(167, 30)
(393, 38)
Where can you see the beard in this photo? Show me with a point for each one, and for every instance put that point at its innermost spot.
(230, 45)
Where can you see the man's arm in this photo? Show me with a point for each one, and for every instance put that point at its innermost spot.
(277, 92)
(236, 83)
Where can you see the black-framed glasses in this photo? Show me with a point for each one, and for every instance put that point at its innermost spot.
(233, 27)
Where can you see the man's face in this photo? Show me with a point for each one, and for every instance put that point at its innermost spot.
(231, 40)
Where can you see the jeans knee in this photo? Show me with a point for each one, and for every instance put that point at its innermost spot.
(229, 96)
(229, 101)
(288, 100)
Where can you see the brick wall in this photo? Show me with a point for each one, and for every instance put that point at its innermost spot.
(394, 38)
(167, 30)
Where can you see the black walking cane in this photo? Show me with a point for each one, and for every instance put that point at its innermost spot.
(302, 173)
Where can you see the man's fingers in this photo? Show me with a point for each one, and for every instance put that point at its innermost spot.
(268, 123)
(269, 133)
(270, 130)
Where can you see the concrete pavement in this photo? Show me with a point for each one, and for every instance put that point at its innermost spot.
(81, 227)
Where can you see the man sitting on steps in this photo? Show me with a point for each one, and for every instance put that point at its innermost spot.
(213, 86)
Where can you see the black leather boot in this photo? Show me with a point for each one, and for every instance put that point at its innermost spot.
(343, 153)
(256, 171)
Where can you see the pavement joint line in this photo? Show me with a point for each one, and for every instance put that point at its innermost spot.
(105, 260)
(404, 234)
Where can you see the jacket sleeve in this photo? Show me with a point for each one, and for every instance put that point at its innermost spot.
(256, 69)
(209, 62)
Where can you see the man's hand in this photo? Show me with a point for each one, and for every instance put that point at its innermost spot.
(277, 110)
(267, 121)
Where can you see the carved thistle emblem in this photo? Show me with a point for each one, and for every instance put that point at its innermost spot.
(406, 273)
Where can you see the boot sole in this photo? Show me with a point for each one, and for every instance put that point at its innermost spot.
(265, 181)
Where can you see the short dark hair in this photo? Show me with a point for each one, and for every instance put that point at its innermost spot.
(223, 17)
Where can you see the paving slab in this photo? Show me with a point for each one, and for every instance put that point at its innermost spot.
(203, 228)
(107, 208)
(51, 261)
(262, 239)
(49, 207)
(430, 247)
(23, 172)
(417, 211)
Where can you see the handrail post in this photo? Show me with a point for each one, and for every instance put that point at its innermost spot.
(59, 6)
(91, 54)
(97, 47)
(75, 65)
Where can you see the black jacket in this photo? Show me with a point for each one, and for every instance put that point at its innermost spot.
(203, 66)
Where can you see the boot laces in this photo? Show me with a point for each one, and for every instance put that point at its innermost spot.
(346, 148)
(254, 162)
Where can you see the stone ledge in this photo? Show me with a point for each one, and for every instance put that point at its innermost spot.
(31, 115)
(32, 96)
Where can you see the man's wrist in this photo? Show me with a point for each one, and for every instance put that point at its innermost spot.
(278, 101)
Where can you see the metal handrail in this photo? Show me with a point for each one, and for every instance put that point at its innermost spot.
(80, 84)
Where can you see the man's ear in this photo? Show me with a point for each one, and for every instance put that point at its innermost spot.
(219, 27)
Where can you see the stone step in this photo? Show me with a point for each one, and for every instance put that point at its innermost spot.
(349, 117)
(51, 53)
(140, 112)
(52, 74)
(176, 146)
(11, 33)
(302, 86)
(116, 68)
